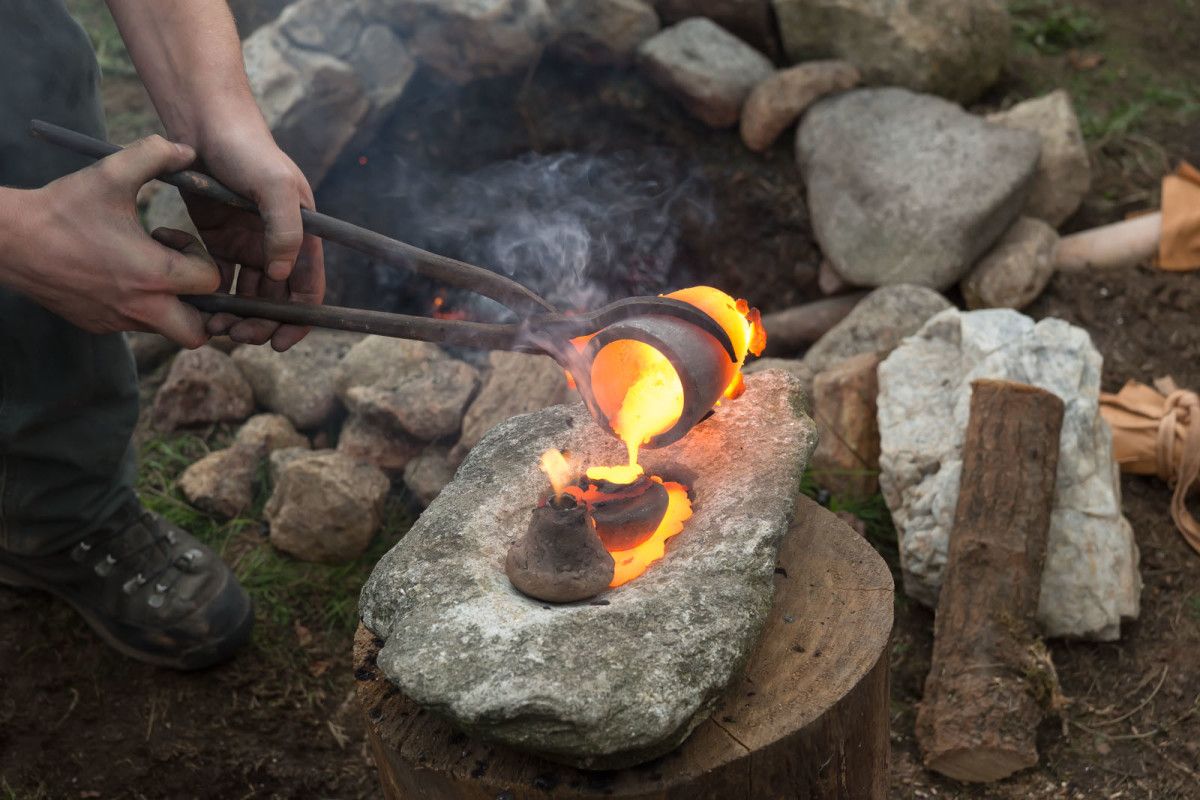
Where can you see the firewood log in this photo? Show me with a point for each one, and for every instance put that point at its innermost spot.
(793, 328)
(981, 707)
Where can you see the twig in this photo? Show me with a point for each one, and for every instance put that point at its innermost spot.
(1140, 705)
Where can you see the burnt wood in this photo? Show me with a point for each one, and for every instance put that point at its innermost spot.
(981, 709)
(808, 720)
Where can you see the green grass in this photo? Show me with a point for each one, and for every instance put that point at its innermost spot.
(286, 592)
(1052, 27)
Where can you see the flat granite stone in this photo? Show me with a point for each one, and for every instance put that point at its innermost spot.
(594, 685)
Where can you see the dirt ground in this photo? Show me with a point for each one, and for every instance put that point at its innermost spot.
(77, 721)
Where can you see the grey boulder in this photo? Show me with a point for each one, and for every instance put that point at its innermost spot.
(429, 473)
(1090, 583)
(427, 403)
(602, 31)
(469, 39)
(326, 507)
(706, 67)
(222, 483)
(1017, 268)
(954, 48)
(877, 325)
(909, 188)
(605, 685)
(516, 383)
(1064, 172)
(203, 386)
(298, 383)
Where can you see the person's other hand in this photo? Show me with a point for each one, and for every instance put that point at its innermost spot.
(277, 260)
(77, 247)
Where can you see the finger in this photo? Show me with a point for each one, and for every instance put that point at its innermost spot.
(187, 267)
(146, 159)
(279, 203)
(179, 322)
(307, 285)
(258, 331)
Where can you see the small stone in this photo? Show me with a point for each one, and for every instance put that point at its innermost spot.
(326, 508)
(427, 403)
(954, 48)
(383, 360)
(846, 461)
(202, 387)
(469, 39)
(429, 473)
(749, 20)
(462, 643)
(222, 483)
(1064, 173)
(271, 432)
(279, 459)
(369, 441)
(1015, 271)
(1090, 582)
(779, 100)
(876, 325)
(149, 349)
(709, 69)
(908, 188)
(298, 383)
(517, 383)
(602, 31)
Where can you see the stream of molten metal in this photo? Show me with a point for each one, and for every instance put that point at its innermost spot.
(652, 404)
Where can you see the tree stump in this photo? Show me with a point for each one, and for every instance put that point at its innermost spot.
(807, 719)
(979, 716)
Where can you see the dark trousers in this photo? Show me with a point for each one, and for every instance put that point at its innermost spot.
(68, 399)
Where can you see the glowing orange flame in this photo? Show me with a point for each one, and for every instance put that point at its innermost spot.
(557, 470)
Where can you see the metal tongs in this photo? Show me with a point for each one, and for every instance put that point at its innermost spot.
(544, 329)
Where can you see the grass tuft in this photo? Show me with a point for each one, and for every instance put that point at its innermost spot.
(1052, 27)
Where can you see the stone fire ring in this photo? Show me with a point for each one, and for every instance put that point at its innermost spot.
(807, 719)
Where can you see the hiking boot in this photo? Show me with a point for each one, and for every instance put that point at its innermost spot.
(150, 590)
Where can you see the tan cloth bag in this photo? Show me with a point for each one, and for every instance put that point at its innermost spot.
(1179, 248)
(1156, 431)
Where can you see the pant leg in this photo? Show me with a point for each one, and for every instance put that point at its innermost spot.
(68, 399)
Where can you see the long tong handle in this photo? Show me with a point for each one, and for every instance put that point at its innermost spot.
(446, 270)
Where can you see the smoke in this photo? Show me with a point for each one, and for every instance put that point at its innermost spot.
(579, 229)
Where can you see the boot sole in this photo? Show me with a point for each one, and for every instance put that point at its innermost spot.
(209, 654)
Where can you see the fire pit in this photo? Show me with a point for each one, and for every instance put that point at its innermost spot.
(626, 676)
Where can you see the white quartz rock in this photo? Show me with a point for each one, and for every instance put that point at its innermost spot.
(1091, 581)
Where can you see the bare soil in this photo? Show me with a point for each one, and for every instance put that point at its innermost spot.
(78, 721)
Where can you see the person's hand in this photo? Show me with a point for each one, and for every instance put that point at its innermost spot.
(277, 260)
(77, 247)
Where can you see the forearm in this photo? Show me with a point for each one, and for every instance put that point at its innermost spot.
(188, 55)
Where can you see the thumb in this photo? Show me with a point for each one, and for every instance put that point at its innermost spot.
(146, 159)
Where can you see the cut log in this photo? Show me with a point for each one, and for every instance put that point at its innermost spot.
(807, 720)
(982, 706)
(788, 331)
(846, 462)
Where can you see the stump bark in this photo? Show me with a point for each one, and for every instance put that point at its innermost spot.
(981, 708)
(807, 719)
